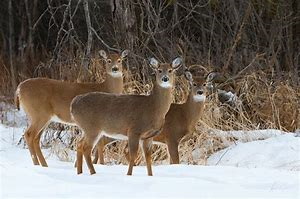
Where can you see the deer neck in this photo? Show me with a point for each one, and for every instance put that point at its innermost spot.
(161, 98)
(113, 84)
(193, 109)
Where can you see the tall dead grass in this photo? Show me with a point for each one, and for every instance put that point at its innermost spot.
(262, 102)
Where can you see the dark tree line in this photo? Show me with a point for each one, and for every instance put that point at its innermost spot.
(223, 35)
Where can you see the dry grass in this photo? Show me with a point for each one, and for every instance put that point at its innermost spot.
(5, 84)
(262, 103)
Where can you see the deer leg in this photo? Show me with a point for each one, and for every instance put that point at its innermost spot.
(29, 136)
(173, 151)
(87, 152)
(99, 154)
(126, 153)
(38, 151)
(79, 159)
(36, 144)
(101, 151)
(133, 144)
(147, 148)
(88, 143)
(127, 156)
(95, 160)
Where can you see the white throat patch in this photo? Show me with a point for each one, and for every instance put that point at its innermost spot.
(166, 84)
(117, 74)
(199, 98)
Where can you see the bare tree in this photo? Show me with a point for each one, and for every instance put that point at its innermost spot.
(90, 36)
(11, 45)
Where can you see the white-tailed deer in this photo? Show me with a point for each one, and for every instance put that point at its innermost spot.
(45, 100)
(133, 117)
(180, 120)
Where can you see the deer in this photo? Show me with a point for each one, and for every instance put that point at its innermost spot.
(180, 120)
(47, 100)
(136, 118)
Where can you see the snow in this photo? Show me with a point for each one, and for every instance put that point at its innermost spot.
(244, 136)
(247, 136)
(282, 152)
(257, 169)
(13, 117)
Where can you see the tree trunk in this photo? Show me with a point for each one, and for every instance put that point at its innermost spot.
(30, 46)
(296, 41)
(90, 36)
(11, 45)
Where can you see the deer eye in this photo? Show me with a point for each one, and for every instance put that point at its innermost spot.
(109, 61)
(119, 61)
(160, 70)
(170, 70)
(194, 84)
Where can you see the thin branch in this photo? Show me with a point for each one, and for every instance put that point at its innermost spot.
(103, 42)
(242, 71)
(238, 37)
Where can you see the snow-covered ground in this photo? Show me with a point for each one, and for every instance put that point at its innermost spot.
(259, 169)
(280, 152)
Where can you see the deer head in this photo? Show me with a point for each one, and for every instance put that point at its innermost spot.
(113, 62)
(197, 86)
(165, 73)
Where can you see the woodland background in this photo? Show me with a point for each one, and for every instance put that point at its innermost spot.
(254, 43)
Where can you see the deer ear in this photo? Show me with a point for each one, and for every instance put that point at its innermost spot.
(102, 53)
(124, 53)
(211, 76)
(176, 63)
(153, 63)
(188, 75)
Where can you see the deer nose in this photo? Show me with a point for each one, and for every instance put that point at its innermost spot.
(200, 92)
(115, 69)
(165, 79)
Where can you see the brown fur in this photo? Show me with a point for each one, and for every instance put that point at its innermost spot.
(43, 98)
(180, 120)
(133, 116)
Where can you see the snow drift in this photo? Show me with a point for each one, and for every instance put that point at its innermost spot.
(270, 169)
